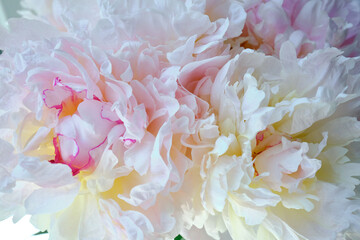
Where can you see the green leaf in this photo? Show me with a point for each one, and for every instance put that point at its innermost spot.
(179, 237)
(39, 233)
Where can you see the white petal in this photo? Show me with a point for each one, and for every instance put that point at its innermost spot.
(43, 173)
(50, 200)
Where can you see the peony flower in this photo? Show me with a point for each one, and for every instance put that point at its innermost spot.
(184, 31)
(309, 25)
(91, 137)
(144, 119)
(273, 160)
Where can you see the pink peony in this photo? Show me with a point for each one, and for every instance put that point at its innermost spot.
(215, 119)
(96, 135)
(184, 31)
(309, 25)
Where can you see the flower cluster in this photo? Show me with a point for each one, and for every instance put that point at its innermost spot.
(213, 119)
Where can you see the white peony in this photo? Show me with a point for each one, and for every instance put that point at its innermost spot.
(273, 159)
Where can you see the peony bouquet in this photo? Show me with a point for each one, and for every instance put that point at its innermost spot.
(209, 119)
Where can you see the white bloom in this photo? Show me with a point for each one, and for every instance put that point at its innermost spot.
(273, 157)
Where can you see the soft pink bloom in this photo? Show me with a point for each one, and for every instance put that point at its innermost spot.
(216, 119)
(184, 31)
(309, 25)
(96, 135)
